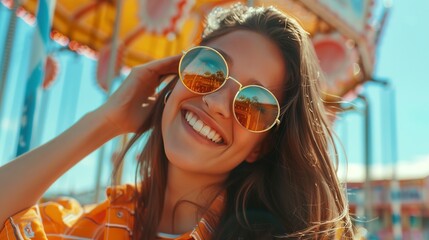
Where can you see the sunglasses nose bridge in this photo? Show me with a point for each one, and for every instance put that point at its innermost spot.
(220, 101)
(236, 81)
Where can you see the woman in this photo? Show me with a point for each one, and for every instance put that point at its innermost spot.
(239, 145)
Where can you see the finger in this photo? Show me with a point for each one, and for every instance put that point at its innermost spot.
(149, 74)
(159, 67)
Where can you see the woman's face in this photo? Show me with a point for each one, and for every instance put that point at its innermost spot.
(252, 59)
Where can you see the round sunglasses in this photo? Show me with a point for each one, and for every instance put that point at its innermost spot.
(203, 70)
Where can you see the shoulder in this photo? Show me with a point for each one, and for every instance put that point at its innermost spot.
(113, 217)
(122, 193)
(38, 221)
(67, 215)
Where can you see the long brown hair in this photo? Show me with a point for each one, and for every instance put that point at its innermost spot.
(292, 190)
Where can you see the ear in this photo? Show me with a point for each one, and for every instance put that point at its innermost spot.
(254, 154)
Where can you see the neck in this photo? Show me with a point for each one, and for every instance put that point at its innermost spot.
(188, 185)
(186, 195)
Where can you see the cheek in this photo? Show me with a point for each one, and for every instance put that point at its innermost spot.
(178, 94)
(246, 142)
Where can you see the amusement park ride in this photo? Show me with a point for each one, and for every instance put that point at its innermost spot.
(344, 33)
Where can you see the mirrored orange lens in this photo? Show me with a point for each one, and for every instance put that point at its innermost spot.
(255, 108)
(203, 70)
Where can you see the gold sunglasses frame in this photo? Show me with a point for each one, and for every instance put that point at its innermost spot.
(241, 88)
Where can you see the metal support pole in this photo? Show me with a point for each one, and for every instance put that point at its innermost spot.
(110, 78)
(368, 161)
(394, 183)
(395, 188)
(8, 46)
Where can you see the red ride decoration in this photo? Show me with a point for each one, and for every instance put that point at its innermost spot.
(51, 72)
(164, 16)
(103, 65)
(336, 60)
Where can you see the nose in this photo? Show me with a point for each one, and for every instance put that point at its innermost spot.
(220, 102)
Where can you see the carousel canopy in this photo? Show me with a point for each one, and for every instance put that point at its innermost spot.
(150, 29)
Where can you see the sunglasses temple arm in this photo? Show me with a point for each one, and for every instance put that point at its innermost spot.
(277, 124)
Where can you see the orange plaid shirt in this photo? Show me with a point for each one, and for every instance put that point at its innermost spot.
(112, 219)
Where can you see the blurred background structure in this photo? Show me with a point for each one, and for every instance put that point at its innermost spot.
(60, 59)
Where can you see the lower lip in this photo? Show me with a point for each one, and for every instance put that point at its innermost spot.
(196, 135)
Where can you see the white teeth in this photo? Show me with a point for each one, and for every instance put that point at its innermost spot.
(192, 119)
(211, 134)
(201, 128)
(205, 130)
(198, 125)
(217, 137)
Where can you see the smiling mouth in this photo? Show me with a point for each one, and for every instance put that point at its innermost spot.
(201, 128)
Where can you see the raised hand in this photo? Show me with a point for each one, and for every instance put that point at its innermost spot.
(26, 178)
(123, 110)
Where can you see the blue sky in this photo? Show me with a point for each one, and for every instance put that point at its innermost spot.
(401, 59)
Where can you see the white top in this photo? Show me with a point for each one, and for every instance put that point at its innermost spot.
(168, 235)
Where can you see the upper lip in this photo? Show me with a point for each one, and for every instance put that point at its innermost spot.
(205, 117)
